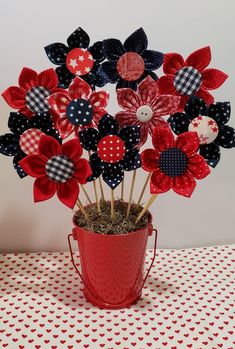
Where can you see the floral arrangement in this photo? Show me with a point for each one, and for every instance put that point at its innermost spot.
(59, 112)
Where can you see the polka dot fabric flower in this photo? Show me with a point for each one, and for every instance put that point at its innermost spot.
(191, 76)
(131, 62)
(77, 59)
(210, 124)
(57, 169)
(145, 107)
(78, 107)
(34, 89)
(25, 136)
(174, 163)
(114, 150)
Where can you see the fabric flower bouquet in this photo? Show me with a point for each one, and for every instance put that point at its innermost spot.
(59, 113)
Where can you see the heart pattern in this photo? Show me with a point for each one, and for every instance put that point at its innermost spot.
(187, 302)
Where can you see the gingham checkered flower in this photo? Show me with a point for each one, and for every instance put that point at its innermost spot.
(31, 96)
(191, 76)
(57, 168)
(173, 162)
(131, 62)
(25, 136)
(78, 107)
(145, 107)
(77, 59)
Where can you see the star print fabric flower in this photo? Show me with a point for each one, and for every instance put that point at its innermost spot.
(25, 136)
(131, 62)
(191, 76)
(77, 59)
(174, 163)
(78, 107)
(30, 97)
(57, 168)
(210, 124)
(114, 150)
(145, 107)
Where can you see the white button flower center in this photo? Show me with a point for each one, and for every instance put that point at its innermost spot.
(144, 113)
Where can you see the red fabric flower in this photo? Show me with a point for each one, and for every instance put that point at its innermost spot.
(145, 107)
(78, 106)
(57, 168)
(174, 163)
(31, 96)
(190, 77)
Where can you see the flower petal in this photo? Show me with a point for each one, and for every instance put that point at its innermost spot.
(162, 139)
(34, 165)
(213, 78)
(188, 142)
(48, 147)
(130, 135)
(131, 160)
(97, 166)
(211, 153)
(89, 138)
(148, 90)
(159, 182)
(157, 121)
(79, 89)
(199, 59)
(226, 137)
(99, 99)
(97, 51)
(205, 95)
(166, 84)
(68, 192)
(149, 159)
(107, 125)
(109, 70)
(184, 185)
(57, 53)
(220, 112)
(65, 127)
(42, 122)
(18, 123)
(19, 155)
(113, 174)
(172, 63)
(59, 102)
(128, 99)
(165, 105)
(195, 107)
(14, 97)
(9, 144)
(48, 79)
(179, 123)
(28, 78)
(113, 49)
(136, 42)
(64, 75)
(152, 59)
(83, 171)
(198, 167)
(126, 84)
(79, 38)
(43, 189)
(125, 118)
(98, 113)
(72, 149)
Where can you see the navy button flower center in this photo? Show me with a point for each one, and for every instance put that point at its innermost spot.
(79, 112)
(173, 162)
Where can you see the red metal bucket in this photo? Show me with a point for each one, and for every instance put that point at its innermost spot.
(112, 265)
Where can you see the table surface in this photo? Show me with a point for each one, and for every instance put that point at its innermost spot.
(188, 302)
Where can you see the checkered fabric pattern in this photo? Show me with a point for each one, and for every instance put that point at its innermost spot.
(187, 80)
(36, 99)
(29, 140)
(60, 168)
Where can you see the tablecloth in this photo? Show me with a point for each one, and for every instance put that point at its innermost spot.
(188, 302)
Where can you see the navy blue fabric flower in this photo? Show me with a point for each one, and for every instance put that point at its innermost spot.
(77, 59)
(210, 124)
(25, 136)
(114, 150)
(131, 62)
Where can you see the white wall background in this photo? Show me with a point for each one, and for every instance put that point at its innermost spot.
(26, 26)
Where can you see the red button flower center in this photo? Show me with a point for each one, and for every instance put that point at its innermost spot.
(79, 61)
(130, 66)
(111, 149)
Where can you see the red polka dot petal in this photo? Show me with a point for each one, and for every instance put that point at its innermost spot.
(79, 61)
(130, 66)
(111, 149)
(29, 140)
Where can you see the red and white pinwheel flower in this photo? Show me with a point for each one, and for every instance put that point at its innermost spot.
(30, 97)
(57, 168)
(191, 76)
(174, 163)
(78, 107)
(145, 107)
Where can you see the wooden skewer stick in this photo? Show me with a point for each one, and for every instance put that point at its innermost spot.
(131, 193)
(122, 189)
(86, 194)
(101, 188)
(96, 196)
(144, 187)
(80, 206)
(112, 203)
(146, 207)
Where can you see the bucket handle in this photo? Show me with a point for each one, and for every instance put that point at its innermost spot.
(93, 291)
